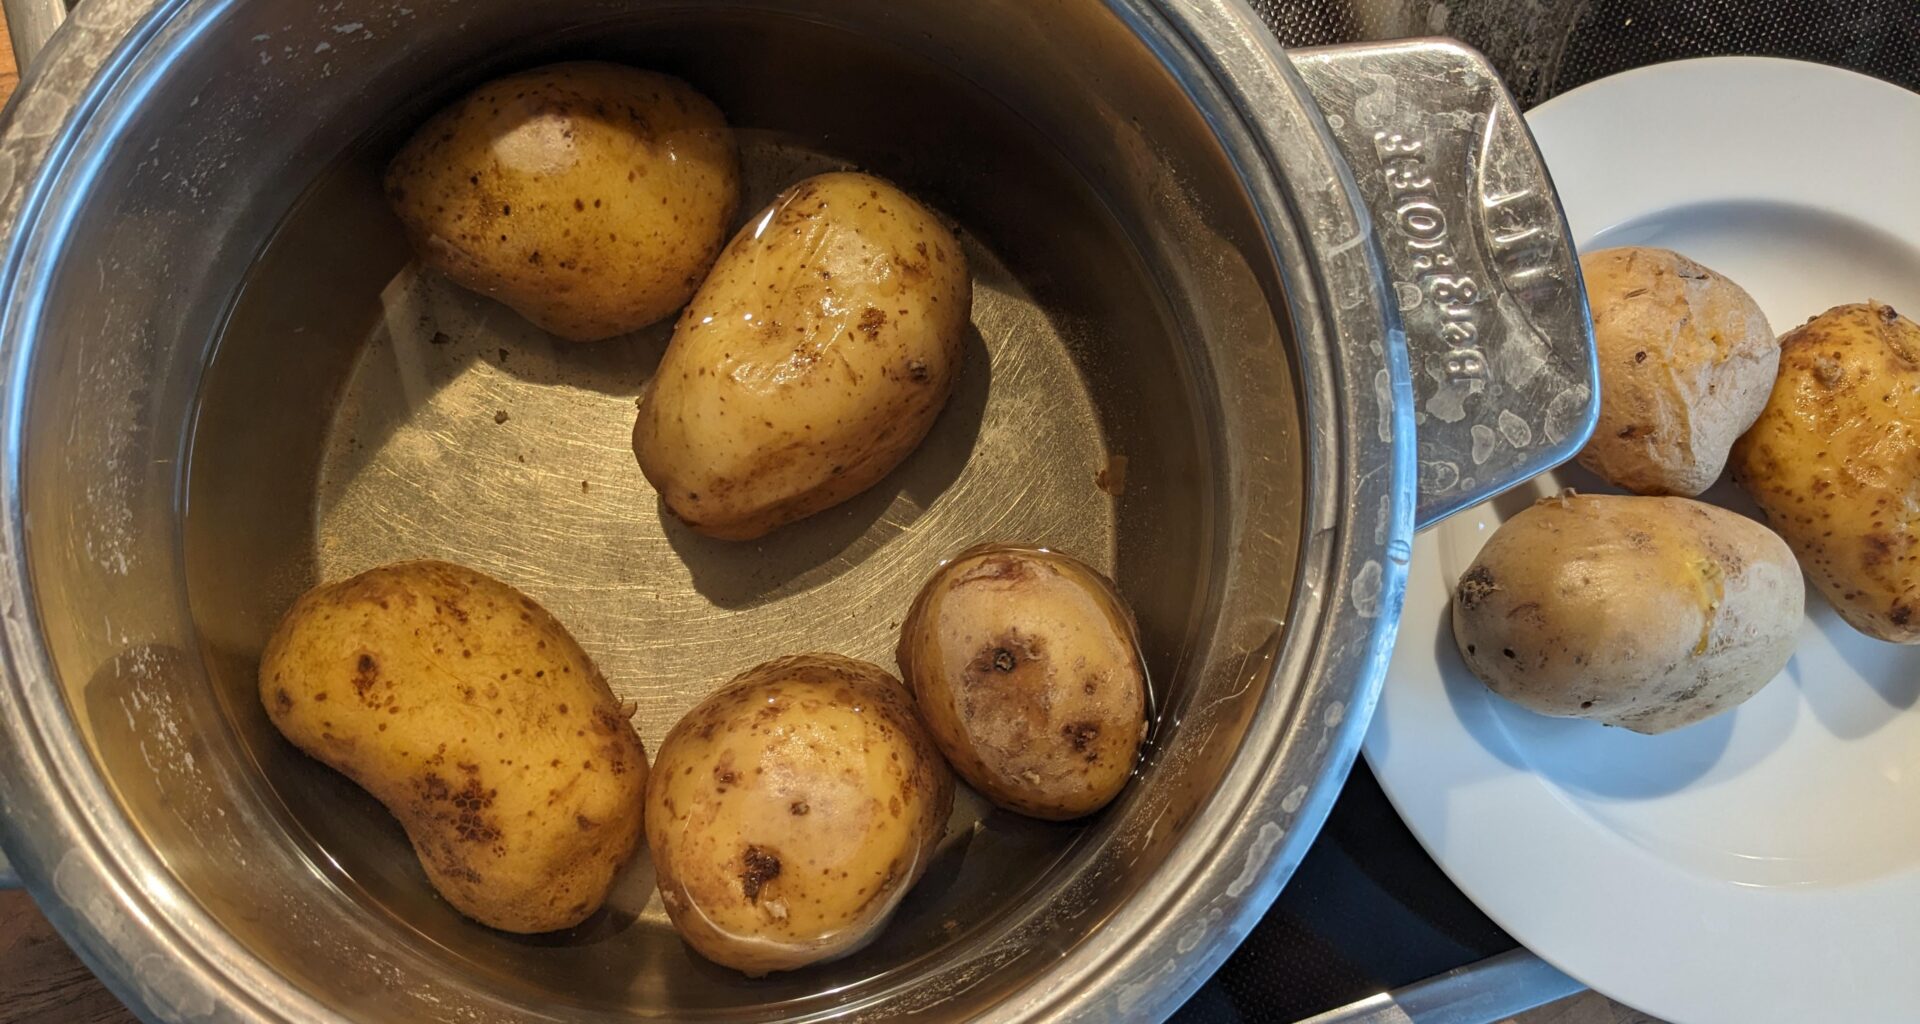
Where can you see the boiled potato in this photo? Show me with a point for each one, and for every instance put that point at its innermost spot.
(812, 361)
(469, 712)
(589, 197)
(791, 810)
(1686, 360)
(1834, 462)
(1643, 612)
(1028, 673)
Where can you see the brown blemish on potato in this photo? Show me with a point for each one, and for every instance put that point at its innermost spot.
(366, 672)
(759, 866)
(871, 321)
(1081, 736)
(1476, 586)
(798, 808)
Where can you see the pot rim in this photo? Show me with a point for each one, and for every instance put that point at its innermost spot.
(111, 896)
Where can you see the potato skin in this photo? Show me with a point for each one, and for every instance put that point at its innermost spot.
(790, 811)
(1648, 613)
(466, 709)
(1027, 668)
(1834, 462)
(590, 197)
(1686, 361)
(813, 360)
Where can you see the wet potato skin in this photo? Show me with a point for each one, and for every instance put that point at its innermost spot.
(1027, 669)
(812, 361)
(1834, 462)
(1686, 361)
(590, 197)
(465, 708)
(790, 811)
(1648, 613)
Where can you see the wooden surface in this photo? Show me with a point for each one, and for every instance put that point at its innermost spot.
(42, 982)
(9, 75)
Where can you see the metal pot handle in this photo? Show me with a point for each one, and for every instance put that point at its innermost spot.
(1478, 254)
(29, 24)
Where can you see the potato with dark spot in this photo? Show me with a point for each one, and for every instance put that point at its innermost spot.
(1028, 672)
(590, 197)
(1686, 359)
(1834, 462)
(467, 709)
(1648, 613)
(790, 811)
(813, 360)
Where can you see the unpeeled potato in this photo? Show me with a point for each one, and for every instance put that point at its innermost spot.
(468, 710)
(1834, 462)
(1686, 360)
(812, 361)
(590, 197)
(1027, 669)
(1648, 613)
(791, 810)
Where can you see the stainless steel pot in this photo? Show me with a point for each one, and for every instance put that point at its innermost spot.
(1312, 302)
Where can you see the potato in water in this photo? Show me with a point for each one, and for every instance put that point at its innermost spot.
(1686, 360)
(791, 810)
(590, 197)
(1648, 613)
(1028, 672)
(813, 360)
(468, 711)
(1834, 462)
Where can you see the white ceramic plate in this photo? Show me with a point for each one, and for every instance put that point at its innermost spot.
(1763, 865)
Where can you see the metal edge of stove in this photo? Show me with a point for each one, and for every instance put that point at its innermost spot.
(29, 23)
(1492, 990)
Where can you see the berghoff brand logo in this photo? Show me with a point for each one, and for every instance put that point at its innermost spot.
(1443, 280)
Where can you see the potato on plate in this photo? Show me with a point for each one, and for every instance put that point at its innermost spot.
(467, 710)
(1834, 462)
(1686, 360)
(1648, 613)
(1028, 672)
(590, 197)
(790, 811)
(813, 360)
